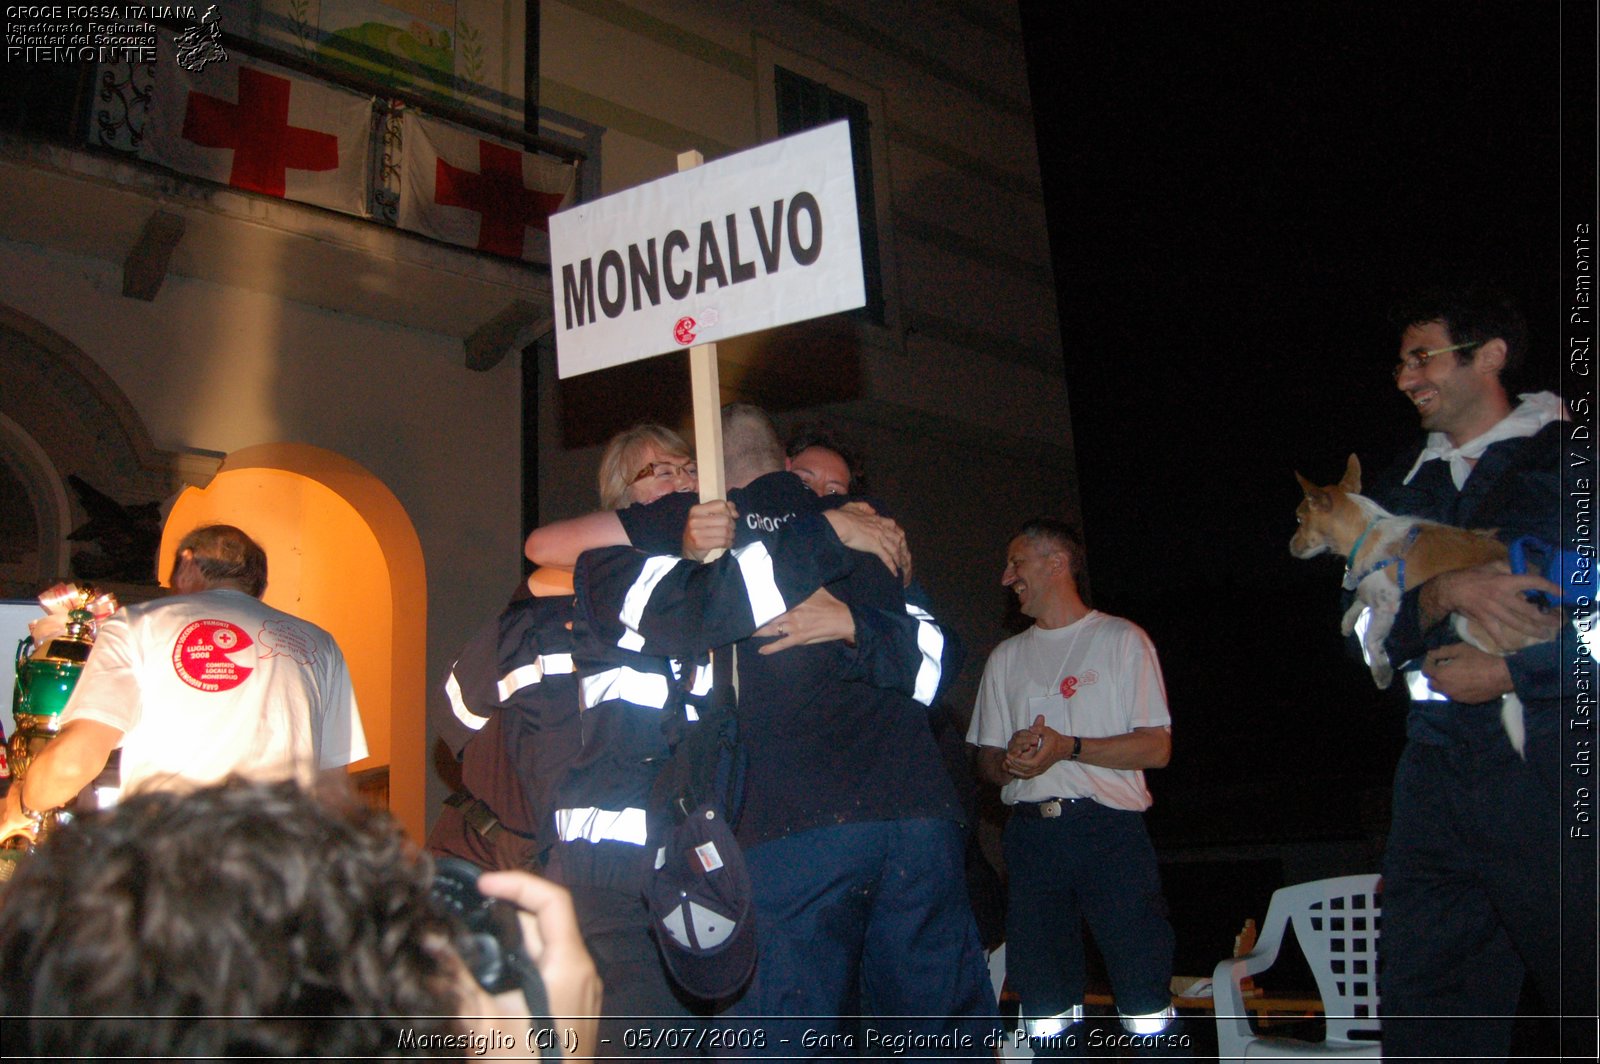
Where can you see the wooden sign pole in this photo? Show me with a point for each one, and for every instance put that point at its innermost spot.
(707, 392)
(707, 399)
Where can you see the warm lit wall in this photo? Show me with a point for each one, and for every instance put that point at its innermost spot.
(217, 368)
(341, 554)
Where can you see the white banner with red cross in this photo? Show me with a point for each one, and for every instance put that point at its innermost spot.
(260, 128)
(460, 187)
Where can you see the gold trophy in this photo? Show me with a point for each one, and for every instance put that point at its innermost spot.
(49, 662)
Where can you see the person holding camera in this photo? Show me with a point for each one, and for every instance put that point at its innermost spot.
(258, 919)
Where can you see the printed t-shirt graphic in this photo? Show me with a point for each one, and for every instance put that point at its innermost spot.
(217, 655)
(204, 655)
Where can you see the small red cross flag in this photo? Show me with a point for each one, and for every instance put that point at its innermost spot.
(261, 128)
(463, 188)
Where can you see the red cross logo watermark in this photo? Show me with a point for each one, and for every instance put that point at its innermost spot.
(265, 146)
(1070, 685)
(506, 206)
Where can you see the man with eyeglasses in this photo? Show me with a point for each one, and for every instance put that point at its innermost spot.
(1473, 875)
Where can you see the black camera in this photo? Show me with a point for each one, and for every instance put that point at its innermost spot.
(492, 947)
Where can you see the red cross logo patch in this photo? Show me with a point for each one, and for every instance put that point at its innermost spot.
(203, 653)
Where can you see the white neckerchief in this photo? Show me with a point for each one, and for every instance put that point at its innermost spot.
(1536, 410)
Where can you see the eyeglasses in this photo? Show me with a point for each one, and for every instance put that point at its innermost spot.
(666, 471)
(1419, 358)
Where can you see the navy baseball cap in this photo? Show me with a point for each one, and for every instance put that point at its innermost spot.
(699, 900)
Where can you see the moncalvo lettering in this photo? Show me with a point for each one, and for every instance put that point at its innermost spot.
(741, 271)
(676, 288)
(771, 247)
(710, 260)
(642, 271)
(644, 274)
(578, 293)
(805, 256)
(611, 306)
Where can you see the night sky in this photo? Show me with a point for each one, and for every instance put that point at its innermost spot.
(1237, 192)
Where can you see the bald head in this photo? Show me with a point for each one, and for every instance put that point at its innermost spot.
(750, 444)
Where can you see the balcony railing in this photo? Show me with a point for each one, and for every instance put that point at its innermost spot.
(106, 106)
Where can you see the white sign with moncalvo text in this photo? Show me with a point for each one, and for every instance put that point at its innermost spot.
(747, 242)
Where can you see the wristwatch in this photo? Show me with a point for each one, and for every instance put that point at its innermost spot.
(1077, 748)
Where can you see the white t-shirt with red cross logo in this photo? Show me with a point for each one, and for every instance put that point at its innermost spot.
(218, 682)
(1094, 678)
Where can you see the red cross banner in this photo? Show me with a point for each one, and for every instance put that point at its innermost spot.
(261, 128)
(459, 187)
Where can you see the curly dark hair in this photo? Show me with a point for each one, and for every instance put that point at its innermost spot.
(243, 919)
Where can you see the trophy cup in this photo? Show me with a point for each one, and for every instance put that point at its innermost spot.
(49, 662)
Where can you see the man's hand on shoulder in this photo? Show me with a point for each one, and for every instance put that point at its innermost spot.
(709, 527)
(859, 527)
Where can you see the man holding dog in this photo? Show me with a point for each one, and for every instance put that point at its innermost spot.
(1070, 714)
(1473, 875)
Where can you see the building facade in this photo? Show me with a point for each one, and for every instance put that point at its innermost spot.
(391, 374)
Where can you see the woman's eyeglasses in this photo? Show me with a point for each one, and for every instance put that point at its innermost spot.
(666, 471)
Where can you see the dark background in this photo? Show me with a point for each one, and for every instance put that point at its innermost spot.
(1237, 193)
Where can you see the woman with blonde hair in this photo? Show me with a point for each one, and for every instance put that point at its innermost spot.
(653, 457)
(639, 465)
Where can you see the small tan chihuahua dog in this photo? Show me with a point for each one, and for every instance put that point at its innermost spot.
(1386, 555)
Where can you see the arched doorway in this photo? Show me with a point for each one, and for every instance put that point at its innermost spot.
(343, 554)
(34, 514)
(62, 417)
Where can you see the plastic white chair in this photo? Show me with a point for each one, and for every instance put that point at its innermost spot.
(1336, 922)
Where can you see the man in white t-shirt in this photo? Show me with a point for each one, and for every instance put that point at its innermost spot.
(198, 686)
(1070, 714)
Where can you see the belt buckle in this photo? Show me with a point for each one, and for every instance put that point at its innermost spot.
(1051, 809)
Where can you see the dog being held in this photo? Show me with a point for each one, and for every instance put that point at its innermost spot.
(1386, 555)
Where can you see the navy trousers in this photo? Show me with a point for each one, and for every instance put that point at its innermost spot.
(1093, 864)
(1472, 893)
(873, 913)
(641, 1002)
